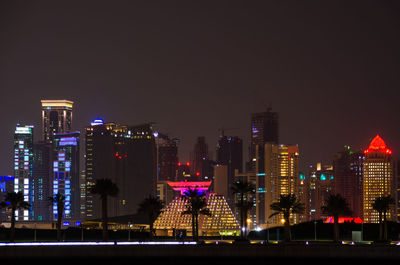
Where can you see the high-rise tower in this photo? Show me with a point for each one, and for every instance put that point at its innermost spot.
(66, 173)
(201, 165)
(230, 153)
(264, 129)
(126, 155)
(347, 171)
(23, 168)
(56, 118)
(378, 178)
(277, 171)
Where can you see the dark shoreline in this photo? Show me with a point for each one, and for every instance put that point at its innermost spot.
(206, 254)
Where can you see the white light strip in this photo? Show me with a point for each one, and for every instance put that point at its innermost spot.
(92, 243)
(157, 243)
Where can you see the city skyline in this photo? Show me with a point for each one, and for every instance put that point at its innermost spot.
(201, 67)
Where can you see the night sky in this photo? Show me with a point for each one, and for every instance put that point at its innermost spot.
(329, 68)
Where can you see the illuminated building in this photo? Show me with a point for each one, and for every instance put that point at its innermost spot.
(321, 185)
(126, 155)
(303, 193)
(56, 118)
(66, 173)
(398, 190)
(378, 178)
(277, 172)
(23, 168)
(42, 179)
(347, 169)
(221, 221)
(264, 129)
(230, 153)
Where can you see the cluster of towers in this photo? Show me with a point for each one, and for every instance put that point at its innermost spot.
(69, 162)
(142, 161)
(273, 168)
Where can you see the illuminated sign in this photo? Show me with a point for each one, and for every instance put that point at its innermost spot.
(97, 122)
(68, 141)
(356, 220)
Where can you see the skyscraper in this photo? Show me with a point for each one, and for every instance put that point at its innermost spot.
(264, 128)
(230, 153)
(126, 155)
(56, 118)
(347, 170)
(66, 173)
(321, 186)
(201, 164)
(277, 171)
(23, 168)
(42, 174)
(167, 157)
(378, 178)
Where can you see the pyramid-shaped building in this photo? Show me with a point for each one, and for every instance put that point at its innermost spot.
(221, 222)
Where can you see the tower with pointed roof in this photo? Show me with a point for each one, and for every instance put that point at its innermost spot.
(378, 178)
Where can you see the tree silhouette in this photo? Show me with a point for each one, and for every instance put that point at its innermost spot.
(151, 207)
(59, 200)
(382, 205)
(243, 189)
(336, 206)
(287, 205)
(104, 187)
(196, 205)
(14, 201)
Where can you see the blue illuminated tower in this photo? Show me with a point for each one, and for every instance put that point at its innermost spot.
(66, 173)
(23, 167)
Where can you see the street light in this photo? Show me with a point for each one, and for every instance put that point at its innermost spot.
(315, 230)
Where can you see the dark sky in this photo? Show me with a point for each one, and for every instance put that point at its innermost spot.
(330, 68)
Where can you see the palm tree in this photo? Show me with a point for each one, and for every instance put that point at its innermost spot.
(287, 205)
(59, 200)
(152, 207)
(196, 205)
(14, 201)
(336, 205)
(243, 189)
(382, 205)
(104, 187)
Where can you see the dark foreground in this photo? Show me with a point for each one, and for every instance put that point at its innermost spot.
(237, 253)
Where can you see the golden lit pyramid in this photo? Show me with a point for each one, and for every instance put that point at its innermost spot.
(221, 222)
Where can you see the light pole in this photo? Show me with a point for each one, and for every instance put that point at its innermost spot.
(315, 230)
(362, 231)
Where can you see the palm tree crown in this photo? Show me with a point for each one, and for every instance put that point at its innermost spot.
(336, 205)
(104, 187)
(287, 204)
